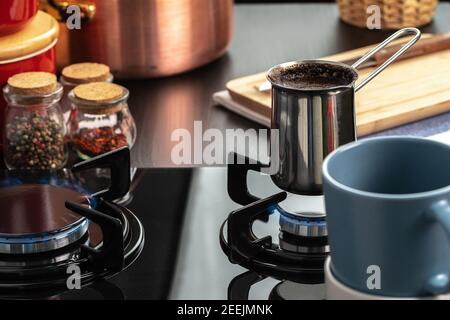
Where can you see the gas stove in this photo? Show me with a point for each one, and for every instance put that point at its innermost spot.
(185, 264)
(50, 230)
(296, 260)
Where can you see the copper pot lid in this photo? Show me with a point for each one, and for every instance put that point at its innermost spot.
(34, 218)
(37, 37)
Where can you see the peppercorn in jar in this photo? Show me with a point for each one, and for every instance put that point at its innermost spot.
(35, 129)
(103, 121)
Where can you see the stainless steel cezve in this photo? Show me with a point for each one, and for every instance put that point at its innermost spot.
(314, 122)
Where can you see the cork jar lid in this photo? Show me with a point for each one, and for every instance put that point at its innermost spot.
(33, 83)
(99, 97)
(41, 33)
(86, 72)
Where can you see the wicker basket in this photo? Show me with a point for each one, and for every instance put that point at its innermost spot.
(395, 14)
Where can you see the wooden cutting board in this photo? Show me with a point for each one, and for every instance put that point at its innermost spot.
(406, 91)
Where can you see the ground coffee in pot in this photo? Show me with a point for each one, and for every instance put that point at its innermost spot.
(313, 76)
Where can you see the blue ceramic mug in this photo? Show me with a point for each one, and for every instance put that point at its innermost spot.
(388, 212)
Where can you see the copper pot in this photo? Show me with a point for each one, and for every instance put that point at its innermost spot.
(148, 38)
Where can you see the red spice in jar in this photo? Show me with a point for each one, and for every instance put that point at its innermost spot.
(95, 141)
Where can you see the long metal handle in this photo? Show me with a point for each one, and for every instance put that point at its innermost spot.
(394, 57)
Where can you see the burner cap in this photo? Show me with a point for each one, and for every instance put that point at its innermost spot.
(34, 219)
(305, 224)
(304, 232)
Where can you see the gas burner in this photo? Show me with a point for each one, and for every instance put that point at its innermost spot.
(113, 242)
(303, 246)
(40, 222)
(303, 232)
(308, 224)
(45, 229)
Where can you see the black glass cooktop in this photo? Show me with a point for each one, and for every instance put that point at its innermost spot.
(182, 211)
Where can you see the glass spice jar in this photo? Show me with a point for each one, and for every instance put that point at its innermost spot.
(81, 73)
(35, 129)
(103, 121)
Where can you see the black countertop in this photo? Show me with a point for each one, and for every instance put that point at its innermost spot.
(264, 35)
